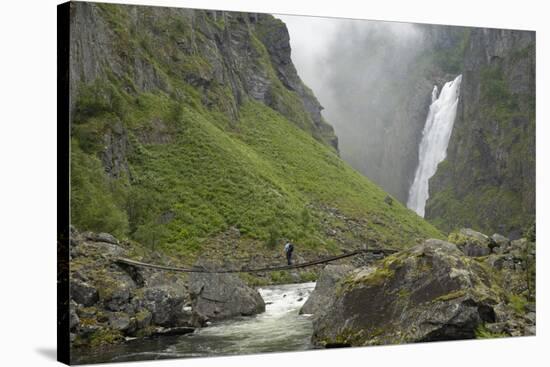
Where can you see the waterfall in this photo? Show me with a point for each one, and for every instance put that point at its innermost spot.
(435, 138)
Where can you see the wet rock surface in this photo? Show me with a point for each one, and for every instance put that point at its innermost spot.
(217, 296)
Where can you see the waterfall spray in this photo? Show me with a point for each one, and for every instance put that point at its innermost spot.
(435, 139)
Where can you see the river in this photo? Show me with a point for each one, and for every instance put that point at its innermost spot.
(280, 328)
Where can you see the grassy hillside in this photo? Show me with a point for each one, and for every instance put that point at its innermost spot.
(176, 171)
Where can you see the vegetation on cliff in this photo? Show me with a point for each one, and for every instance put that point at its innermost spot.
(193, 128)
(488, 179)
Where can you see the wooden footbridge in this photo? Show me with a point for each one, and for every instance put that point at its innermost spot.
(139, 264)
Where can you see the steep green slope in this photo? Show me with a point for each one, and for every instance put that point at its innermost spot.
(181, 147)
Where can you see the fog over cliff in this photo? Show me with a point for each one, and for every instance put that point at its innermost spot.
(366, 74)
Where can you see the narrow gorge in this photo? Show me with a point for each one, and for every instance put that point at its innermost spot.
(378, 96)
(397, 159)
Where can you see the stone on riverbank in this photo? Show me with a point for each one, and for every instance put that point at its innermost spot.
(219, 296)
(429, 292)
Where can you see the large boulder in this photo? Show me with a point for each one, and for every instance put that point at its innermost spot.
(83, 293)
(219, 296)
(472, 243)
(165, 305)
(429, 292)
(121, 321)
(115, 288)
(324, 288)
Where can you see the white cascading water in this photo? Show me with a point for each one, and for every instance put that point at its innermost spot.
(435, 138)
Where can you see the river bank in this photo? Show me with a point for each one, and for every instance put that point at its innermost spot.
(471, 286)
(112, 303)
(279, 328)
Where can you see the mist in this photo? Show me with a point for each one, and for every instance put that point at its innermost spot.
(370, 77)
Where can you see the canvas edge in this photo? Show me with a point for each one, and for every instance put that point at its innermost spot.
(63, 131)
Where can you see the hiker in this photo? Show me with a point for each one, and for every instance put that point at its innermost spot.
(289, 247)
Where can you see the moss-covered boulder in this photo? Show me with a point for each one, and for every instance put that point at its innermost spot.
(325, 288)
(472, 243)
(429, 292)
(83, 293)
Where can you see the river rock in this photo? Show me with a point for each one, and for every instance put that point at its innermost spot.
(180, 330)
(83, 293)
(165, 305)
(429, 292)
(219, 296)
(120, 321)
(324, 288)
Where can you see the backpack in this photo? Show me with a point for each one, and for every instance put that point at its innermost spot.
(290, 247)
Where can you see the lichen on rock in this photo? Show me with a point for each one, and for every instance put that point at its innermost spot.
(432, 291)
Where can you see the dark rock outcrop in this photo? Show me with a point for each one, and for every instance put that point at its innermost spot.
(324, 289)
(430, 292)
(165, 305)
(220, 296)
(109, 301)
(83, 293)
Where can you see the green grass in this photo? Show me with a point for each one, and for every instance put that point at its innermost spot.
(481, 332)
(518, 303)
(222, 166)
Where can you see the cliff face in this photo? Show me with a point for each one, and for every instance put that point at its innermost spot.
(488, 179)
(192, 133)
(228, 57)
(382, 75)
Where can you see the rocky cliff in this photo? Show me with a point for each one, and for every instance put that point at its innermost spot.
(488, 179)
(228, 57)
(192, 134)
